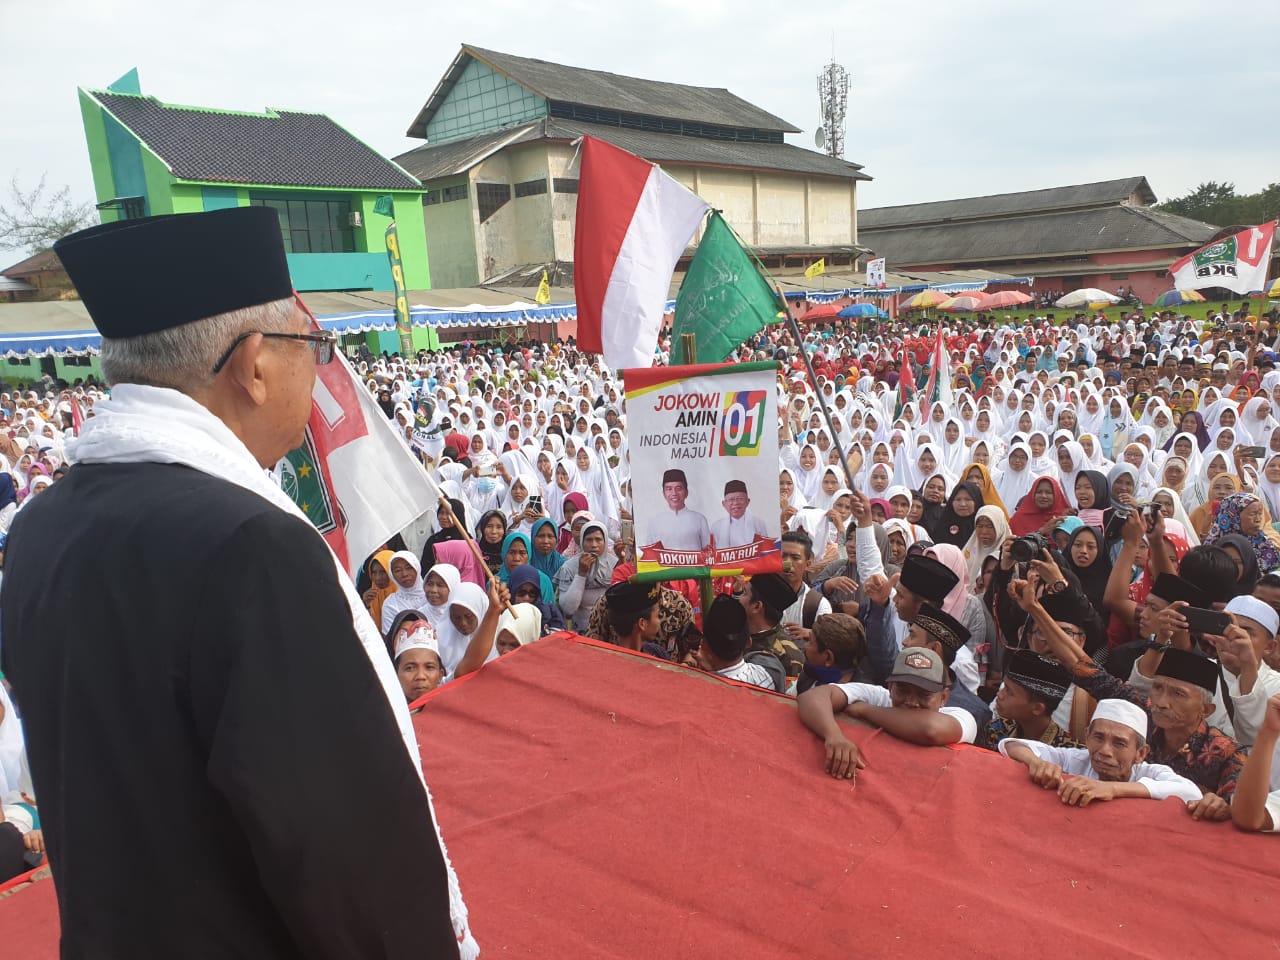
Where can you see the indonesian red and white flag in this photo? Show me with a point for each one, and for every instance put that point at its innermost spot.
(1237, 263)
(353, 477)
(633, 224)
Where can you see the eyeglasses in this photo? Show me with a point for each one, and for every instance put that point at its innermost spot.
(322, 342)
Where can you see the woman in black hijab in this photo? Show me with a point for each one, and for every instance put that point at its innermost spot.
(1087, 557)
(954, 524)
(446, 532)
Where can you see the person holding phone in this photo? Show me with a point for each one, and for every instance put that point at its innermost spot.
(1181, 700)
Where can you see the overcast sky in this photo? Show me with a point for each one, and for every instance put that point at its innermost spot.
(947, 99)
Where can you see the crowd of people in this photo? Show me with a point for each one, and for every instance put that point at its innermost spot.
(1069, 554)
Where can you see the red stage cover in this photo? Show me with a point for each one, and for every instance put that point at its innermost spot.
(600, 804)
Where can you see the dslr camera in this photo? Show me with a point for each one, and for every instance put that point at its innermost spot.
(1028, 548)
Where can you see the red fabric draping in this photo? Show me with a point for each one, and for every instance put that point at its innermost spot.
(602, 804)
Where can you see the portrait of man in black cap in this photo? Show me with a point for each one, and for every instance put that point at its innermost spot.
(193, 695)
(678, 527)
(738, 528)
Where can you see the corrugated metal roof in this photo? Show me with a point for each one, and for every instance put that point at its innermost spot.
(455, 157)
(1038, 235)
(608, 91)
(1102, 193)
(278, 147)
(433, 162)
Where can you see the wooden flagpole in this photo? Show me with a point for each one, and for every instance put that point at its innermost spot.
(447, 507)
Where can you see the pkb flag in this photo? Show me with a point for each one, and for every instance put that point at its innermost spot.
(1237, 263)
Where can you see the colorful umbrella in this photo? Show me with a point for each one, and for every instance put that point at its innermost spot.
(1274, 289)
(964, 303)
(923, 300)
(1004, 300)
(1090, 297)
(858, 310)
(820, 312)
(1176, 298)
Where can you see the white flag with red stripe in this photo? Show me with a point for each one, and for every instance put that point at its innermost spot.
(633, 224)
(1237, 263)
(352, 476)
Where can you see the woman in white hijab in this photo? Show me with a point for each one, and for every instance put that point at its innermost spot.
(1071, 460)
(979, 546)
(406, 574)
(468, 604)
(1256, 423)
(1017, 474)
(598, 483)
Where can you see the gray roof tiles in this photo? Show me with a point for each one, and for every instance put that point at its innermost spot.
(283, 148)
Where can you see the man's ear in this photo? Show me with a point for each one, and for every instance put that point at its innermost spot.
(247, 369)
(1143, 752)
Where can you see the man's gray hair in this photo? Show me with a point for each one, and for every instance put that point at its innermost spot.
(183, 357)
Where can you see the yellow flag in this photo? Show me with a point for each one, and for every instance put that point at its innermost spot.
(544, 290)
(815, 269)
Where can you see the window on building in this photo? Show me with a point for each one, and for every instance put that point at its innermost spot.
(446, 194)
(531, 188)
(1119, 276)
(562, 185)
(132, 208)
(313, 225)
(490, 198)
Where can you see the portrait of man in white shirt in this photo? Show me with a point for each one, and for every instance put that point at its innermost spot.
(739, 528)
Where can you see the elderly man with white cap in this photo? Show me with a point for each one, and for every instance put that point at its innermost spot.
(1243, 652)
(1111, 764)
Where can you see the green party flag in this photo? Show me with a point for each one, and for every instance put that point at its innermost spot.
(723, 299)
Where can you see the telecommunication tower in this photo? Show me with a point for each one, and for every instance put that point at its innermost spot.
(833, 99)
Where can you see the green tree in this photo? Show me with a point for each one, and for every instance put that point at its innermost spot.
(35, 219)
(1218, 203)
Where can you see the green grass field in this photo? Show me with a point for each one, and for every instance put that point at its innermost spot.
(1257, 307)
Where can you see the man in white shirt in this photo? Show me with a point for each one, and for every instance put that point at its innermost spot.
(797, 550)
(1109, 766)
(724, 641)
(679, 528)
(739, 528)
(912, 709)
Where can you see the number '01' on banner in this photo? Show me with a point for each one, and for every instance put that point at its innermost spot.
(704, 468)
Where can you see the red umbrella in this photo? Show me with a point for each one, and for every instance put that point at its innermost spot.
(965, 303)
(1003, 300)
(821, 311)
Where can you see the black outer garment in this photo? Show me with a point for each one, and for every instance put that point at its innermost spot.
(218, 770)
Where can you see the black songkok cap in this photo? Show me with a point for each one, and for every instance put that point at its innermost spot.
(196, 265)
(627, 597)
(943, 627)
(928, 578)
(1193, 668)
(772, 589)
(1035, 673)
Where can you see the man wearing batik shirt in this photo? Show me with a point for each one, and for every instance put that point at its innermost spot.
(1179, 705)
(1032, 689)
(1111, 766)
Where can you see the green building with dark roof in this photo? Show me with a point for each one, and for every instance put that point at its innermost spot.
(151, 158)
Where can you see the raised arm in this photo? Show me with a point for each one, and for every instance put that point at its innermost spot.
(1249, 803)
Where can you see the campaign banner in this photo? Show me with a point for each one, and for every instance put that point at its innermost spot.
(875, 272)
(704, 468)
